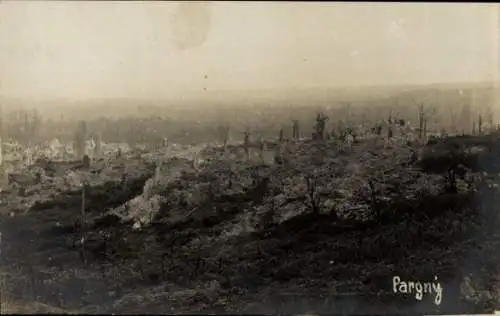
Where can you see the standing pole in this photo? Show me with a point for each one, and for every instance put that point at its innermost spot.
(82, 239)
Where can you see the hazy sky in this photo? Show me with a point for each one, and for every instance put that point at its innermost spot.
(156, 49)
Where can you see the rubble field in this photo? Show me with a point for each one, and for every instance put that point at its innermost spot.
(302, 227)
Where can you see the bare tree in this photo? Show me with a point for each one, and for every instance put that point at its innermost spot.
(313, 197)
(225, 131)
(320, 126)
(262, 148)
(246, 143)
(390, 131)
(295, 130)
(490, 115)
(480, 124)
(421, 120)
(424, 114)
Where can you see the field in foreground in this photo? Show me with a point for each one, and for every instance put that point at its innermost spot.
(323, 231)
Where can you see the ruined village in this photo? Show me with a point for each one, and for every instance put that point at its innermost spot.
(228, 224)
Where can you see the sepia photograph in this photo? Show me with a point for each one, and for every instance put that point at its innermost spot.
(249, 157)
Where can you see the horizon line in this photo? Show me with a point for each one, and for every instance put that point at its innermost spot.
(198, 93)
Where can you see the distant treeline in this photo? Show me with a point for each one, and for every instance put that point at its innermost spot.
(452, 110)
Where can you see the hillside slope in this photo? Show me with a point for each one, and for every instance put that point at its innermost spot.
(325, 231)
